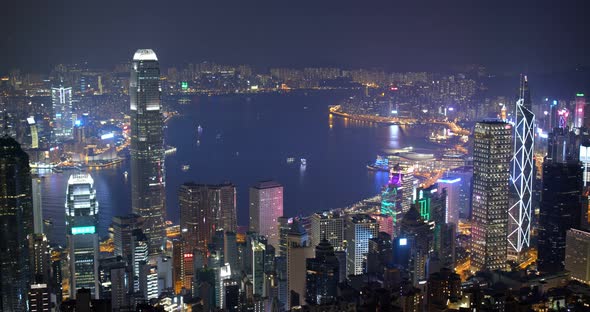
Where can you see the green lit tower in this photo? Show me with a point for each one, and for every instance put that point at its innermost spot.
(16, 223)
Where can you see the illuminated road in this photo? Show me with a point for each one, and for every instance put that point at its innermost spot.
(531, 258)
(463, 269)
(337, 110)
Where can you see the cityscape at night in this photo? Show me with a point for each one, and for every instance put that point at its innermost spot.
(294, 156)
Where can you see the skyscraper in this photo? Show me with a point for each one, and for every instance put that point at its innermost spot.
(266, 206)
(147, 151)
(492, 152)
(63, 125)
(16, 223)
(521, 173)
(559, 211)
(123, 227)
(577, 255)
(322, 275)
(329, 226)
(205, 209)
(81, 232)
(359, 230)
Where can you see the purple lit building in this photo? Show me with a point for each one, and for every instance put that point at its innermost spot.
(266, 206)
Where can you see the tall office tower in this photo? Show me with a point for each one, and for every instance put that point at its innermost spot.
(416, 233)
(258, 250)
(205, 209)
(37, 206)
(119, 287)
(147, 147)
(329, 226)
(385, 223)
(465, 173)
(16, 223)
(359, 230)
(577, 255)
(230, 253)
(284, 228)
(194, 215)
(40, 259)
(139, 257)
(266, 206)
(492, 152)
(521, 173)
(560, 210)
(322, 275)
(222, 198)
(63, 125)
(452, 185)
(34, 132)
(123, 227)
(298, 249)
(81, 232)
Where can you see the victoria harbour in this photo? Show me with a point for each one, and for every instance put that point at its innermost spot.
(245, 139)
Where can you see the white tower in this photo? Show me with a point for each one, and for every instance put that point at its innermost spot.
(521, 173)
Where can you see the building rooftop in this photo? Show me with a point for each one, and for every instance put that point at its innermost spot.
(145, 55)
(267, 184)
(82, 178)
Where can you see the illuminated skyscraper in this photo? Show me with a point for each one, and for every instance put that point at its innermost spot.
(453, 186)
(63, 125)
(580, 119)
(521, 173)
(16, 223)
(577, 255)
(266, 206)
(81, 232)
(492, 152)
(205, 209)
(147, 151)
(359, 230)
(327, 226)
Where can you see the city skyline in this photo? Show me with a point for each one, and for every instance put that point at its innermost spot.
(337, 156)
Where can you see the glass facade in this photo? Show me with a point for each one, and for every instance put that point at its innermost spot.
(147, 147)
(491, 162)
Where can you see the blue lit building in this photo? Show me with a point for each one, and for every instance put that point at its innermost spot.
(82, 237)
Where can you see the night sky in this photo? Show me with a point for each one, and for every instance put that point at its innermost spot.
(539, 36)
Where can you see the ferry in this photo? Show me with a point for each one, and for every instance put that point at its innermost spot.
(200, 130)
(185, 168)
(290, 160)
(303, 161)
(380, 164)
(125, 174)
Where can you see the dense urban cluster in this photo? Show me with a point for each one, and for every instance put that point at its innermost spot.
(504, 226)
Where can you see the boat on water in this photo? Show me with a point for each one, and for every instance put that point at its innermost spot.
(290, 160)
(125, 174)
(200, 130)
(185, 168)
(380, 164)
(303, 161)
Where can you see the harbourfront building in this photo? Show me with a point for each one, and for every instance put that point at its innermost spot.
(147, 147)
(492, 152)
(266, 206)
(16, 224)
(82, 236)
